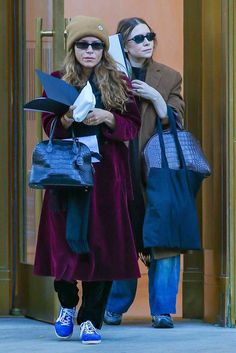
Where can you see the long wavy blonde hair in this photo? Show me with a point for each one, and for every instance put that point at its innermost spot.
(113, 87)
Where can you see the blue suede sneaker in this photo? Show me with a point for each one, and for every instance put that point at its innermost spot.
(162, 321)
(112, 318)
(88, 333)
(65, 323)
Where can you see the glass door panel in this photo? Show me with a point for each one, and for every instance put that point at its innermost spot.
(38, 298)
(34, 9)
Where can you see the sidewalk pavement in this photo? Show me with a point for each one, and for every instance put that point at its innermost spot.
(22, 335)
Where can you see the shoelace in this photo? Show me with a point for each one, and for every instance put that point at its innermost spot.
(88, 327)
(66, 315)
(109, 313)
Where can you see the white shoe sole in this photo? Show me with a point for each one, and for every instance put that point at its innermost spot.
(63, 338)
(91, 342)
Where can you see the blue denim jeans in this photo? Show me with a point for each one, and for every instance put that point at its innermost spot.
(163, 276)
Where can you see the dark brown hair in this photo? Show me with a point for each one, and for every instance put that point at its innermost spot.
(126, 25)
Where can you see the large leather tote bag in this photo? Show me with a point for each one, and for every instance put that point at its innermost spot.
(61, 163)
(171, 219)
(194, 156)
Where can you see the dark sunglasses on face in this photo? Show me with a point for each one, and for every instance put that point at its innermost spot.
(85, 45)
(139, 38)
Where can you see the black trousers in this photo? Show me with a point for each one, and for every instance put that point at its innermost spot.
(94, 299)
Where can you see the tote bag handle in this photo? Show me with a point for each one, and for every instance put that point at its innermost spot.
(173, 131)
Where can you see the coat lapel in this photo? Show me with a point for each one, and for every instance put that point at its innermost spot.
(153, 77)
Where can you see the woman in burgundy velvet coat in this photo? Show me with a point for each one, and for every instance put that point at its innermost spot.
(112, 255)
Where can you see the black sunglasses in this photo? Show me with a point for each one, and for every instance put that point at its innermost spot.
(85, 45)
(139, 38)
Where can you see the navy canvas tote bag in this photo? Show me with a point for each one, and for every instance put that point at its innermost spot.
(171, 219)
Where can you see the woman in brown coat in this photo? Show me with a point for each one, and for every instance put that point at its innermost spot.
(155, 86)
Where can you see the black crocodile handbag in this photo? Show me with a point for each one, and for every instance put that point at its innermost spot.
(194, 156)
(61, 163)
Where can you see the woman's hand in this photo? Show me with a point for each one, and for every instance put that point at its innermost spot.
(67, 119)
(143, 90)
(98, 116)
(146, 259)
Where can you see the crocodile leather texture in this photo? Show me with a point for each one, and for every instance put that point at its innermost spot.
(61, 163)
(194, 157)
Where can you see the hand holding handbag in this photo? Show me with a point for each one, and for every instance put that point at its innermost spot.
(171, 220)
(61, 163)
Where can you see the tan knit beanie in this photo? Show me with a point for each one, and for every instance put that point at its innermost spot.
(84, 26)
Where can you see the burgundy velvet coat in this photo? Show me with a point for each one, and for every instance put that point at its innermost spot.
(112, 250)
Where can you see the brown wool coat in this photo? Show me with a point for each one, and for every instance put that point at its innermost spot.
(167, 82)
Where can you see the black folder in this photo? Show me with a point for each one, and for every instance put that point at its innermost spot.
(60, 95)
(44, 104)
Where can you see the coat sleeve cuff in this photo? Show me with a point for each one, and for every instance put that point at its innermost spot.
(123, 131)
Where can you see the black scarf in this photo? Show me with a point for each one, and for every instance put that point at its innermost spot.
(76, 202)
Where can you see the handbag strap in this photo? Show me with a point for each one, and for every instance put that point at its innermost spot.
(76, 143)
(176, 138)
(173, 131)
(76, 146)
(52, 128)
(164, 161)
